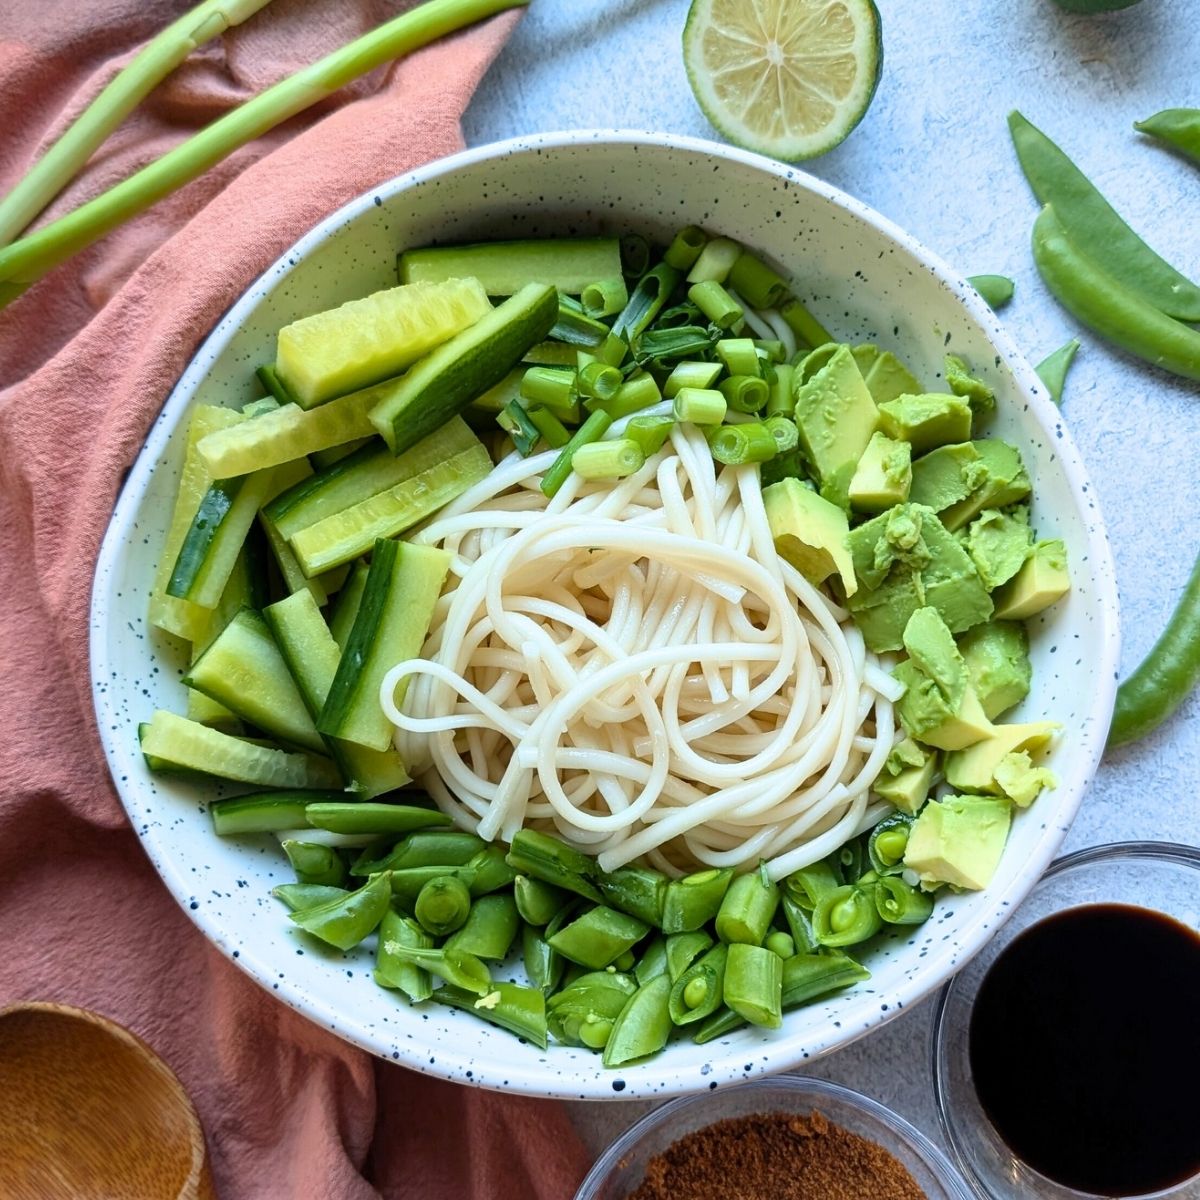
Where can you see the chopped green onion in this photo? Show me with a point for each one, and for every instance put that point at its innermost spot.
(599, 381)
(734, 445)
(650, 433)
(715, 261)
(691, 375)
(590, 431)
(604, 297)
(772, 350)
(701, 406)
(575, 326)
(612, 350)
(785, 433)
(738, 355)
(803, 324)
(685, 247)
(636, 393)
(515, 421)
(652, 292)
(608, 460)
(635, 255)
(28, 260)
(659, 347)
(680, 314)
(715, 303)
(549, 426)
(756, 283)
(552, 388)
(745, 393)
(781, 402)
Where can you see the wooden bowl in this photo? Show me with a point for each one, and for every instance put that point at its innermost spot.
(88, 1110)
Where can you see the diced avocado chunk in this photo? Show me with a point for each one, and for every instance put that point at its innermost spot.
(939, 706)
(889, 378)
(999, 542)
(835, 417)
(1005, 482)
(810, 533)
(866, 356)
(1038, 584)
(904, 560)
(907, 775)
(962, 383)
(958, 840)
(1020, 780)
(926, 420)
(947, 475)
(997, 658)
(883, 476)
(973, 769)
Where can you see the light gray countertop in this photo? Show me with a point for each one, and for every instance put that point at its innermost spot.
(933, 154)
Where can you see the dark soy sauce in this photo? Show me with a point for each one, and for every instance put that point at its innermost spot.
(1085, 1049)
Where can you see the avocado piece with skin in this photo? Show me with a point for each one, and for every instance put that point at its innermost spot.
(1005, 482)
(939, 706)
(958, 840)
(999, 542)
(905, 560)
(883, 476)
(973, 769)
(1042, 581)
(835, 417)
(997, 658)
(947, 475)
(962, 382)
(810, 533)
(926, 420)
(907, 775)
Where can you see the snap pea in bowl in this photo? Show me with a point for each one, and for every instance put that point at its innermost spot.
(867, 281)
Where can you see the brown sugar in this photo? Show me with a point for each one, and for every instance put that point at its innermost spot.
(776, 1156)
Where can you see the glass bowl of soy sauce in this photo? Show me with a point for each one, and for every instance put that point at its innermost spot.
(1067, 1053)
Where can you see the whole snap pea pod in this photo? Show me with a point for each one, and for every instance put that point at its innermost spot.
(1101, 302)
(1178, 127)
(345, 921)
(643, 1026)
(1166, 676)
(1085, 213)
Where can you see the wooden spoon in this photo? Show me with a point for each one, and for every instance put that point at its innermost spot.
(88, 1110)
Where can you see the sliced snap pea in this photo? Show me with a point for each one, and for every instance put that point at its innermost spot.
(583, 1014)
(691, 902)
(490, 871)
(1088, 217)
(490, 928)
(553, 861)
(997, 290)
(753, 986)
(543, 964)
(396, 930)
(352, 816)
(846, 917)
(887, 842)
(653, 960)
(1052, 370)
(697, 993)
(344, 922)
(638, 891)
(599, 937)
(899, 903)
(1104, 303)
(684, 948)
(314, 863)
(307, 895)
(747, 909)
(432, 848)
(538, 902)
(780, 943)
(1178, 127)
(1166, 675)
(407, 883)
(520, 1010)
(442, 905)
(643, 1026)
(809, 885)
(456, 968)
(799, 923)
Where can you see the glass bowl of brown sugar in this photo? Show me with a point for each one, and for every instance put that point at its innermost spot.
(788, 1138)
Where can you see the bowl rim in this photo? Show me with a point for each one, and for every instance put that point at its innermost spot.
(525, 1074)
(1178, 854)
(800, 1086)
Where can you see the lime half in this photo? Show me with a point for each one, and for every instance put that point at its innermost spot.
(788, 78)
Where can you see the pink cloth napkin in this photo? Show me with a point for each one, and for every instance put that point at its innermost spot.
(86, 359)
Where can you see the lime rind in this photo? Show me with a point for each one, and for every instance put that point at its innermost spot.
(713, 52)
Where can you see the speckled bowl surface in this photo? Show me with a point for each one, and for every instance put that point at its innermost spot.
(867, 281)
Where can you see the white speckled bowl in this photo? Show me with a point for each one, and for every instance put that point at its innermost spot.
(868, 281)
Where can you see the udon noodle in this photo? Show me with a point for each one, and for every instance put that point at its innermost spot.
(632, 666)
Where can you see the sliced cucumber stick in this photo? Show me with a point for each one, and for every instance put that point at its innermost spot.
(173, 743)
(443, 383)
(284, 478)
(402, 588)
(341, 622)
(331, 353)
(348, 534)
(312, 656)
(568, 264)
(244, 670)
